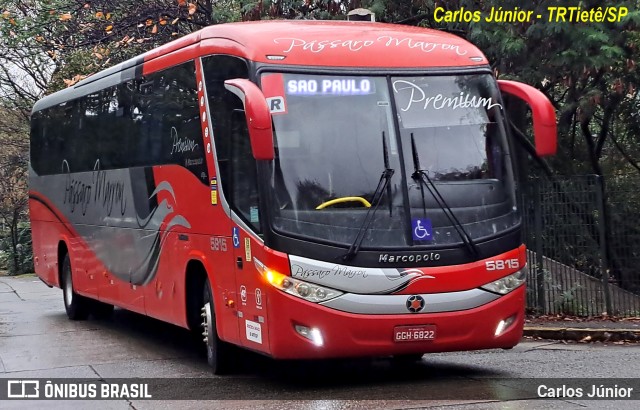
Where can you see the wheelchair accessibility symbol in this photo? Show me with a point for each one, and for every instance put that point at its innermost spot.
(421, 229)
(236, 237)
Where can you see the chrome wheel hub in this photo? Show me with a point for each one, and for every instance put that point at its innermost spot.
(68, 290)
(207, 322)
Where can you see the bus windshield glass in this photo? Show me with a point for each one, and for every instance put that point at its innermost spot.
(336, 135)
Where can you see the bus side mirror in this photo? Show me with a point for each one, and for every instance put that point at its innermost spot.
(544, 116)
(257, 115)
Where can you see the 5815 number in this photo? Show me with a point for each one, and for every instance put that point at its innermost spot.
(502, 264)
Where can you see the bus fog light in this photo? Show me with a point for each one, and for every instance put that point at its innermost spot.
(312, 334)
(316, 337)
(504, 325)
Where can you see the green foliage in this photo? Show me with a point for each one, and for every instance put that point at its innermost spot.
(17, 259)
(569, 304)
(226, 11)
(588, 70)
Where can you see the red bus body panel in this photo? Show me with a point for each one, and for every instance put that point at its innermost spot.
(243, 294)
(350, 335)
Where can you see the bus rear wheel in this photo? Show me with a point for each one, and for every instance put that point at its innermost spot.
(76, 306)
(219, 353)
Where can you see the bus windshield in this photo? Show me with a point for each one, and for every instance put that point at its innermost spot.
(335, 135)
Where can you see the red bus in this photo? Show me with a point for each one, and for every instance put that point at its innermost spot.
(300, 189)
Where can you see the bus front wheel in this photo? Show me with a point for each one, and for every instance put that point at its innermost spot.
(76, 306)
(219, 353)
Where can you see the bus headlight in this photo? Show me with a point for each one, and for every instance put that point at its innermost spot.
(508, 283)
(296, 287)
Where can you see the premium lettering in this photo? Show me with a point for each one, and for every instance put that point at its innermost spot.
(438, 101)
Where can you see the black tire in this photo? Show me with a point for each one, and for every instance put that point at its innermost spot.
(77, 306)
(220, 355)
(101, 310)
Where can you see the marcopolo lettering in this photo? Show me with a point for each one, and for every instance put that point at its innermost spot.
(420, 257)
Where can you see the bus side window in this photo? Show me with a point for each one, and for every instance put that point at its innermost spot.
(181, 117)
(48, 141)
(117, 127)
(244, 182)
(144, 123)
(217, 69)
(236, 165)
(82, 146)
(167, 120)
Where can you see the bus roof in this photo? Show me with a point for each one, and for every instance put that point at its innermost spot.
(317, 43)
(340, 44)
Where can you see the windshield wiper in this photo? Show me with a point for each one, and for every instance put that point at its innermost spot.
(421, 176)
(383, 184)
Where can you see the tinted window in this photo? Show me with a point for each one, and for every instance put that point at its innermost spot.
(222, 103)
(244, 181)
(150, 121)
(236, 164)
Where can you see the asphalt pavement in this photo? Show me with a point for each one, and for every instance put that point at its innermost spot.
(38, 341)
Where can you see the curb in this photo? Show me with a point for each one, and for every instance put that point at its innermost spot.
(583, 334)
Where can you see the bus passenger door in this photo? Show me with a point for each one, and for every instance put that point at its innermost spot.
(252, 312)
(238, 183)
(244, 202)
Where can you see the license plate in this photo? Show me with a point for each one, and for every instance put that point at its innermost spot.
(414, 333)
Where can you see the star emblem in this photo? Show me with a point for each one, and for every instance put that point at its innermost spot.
(415, 303)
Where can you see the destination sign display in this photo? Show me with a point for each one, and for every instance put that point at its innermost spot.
(329, 86)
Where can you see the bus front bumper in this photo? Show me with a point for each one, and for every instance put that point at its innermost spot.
(304, 330)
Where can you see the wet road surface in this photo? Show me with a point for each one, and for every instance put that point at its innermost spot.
(38, 341)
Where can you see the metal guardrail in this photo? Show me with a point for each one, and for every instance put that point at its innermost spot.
(583, 236)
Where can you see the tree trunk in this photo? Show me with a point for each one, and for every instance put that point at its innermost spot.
(13, 231)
